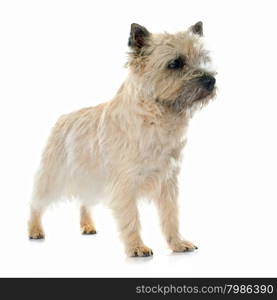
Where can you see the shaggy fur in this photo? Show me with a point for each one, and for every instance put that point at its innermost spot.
(129, 148)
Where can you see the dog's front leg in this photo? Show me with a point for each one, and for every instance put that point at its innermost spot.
(125, 210)
(168, 211)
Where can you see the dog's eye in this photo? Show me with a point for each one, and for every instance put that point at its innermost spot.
(177, 63)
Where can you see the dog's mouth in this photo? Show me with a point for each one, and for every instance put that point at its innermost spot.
(204, 95)
(189, 99)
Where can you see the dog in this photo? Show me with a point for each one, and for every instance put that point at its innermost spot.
(130, 147)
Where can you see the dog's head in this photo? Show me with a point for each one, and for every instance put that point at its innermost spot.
(171, 69)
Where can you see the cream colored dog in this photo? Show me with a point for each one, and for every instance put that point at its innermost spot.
(130, 147)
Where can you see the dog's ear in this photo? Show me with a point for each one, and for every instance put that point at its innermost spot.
(197, 28)
(138, 37)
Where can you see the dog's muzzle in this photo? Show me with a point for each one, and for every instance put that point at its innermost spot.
(208, 82)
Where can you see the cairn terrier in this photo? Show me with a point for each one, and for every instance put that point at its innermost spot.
(130, 147)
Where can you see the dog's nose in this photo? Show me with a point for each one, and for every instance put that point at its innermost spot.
(208, 82)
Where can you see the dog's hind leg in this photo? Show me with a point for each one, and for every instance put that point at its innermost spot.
(48, 188)
(50, 180)
(42, 197)
(38, 205)
(34, 226)
(86, 222)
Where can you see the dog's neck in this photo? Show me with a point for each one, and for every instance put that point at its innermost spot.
(132, 103)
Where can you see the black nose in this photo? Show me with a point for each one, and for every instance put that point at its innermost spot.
(207, 82)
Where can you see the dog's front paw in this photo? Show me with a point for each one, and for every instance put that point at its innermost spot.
(88, 229)
(182, 246)
(36, 233)
(139, 251)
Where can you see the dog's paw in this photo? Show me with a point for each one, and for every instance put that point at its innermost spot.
(88, 229)
(36, 234)
(139, 251)
(182, 246)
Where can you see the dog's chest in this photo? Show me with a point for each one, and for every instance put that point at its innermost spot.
(159, 155)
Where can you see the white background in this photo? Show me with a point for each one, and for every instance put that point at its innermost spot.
(58, 56)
